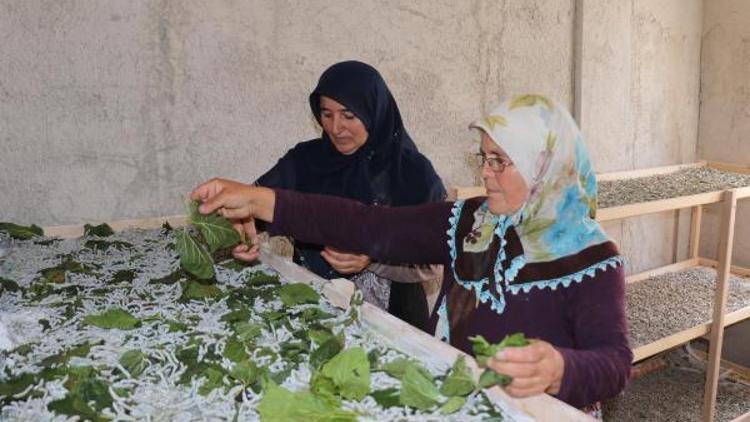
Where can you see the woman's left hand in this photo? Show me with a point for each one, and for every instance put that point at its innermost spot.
(535, 369)
(344, 262)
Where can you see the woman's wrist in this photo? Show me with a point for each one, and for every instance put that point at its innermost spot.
(554, 387)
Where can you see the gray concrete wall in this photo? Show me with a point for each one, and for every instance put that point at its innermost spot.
(725, 108)
(115, 109)
(639, 105)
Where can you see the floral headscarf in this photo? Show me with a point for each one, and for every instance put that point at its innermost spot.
(547, 148)
(551, 241)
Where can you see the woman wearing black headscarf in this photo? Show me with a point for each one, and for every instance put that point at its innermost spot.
(364, 153)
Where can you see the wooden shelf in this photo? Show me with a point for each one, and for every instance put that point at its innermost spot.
(709, 323)
(673, 392)
(668, 295)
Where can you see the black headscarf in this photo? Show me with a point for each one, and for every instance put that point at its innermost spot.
(387, 170)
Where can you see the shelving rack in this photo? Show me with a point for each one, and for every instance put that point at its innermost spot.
(714, 327)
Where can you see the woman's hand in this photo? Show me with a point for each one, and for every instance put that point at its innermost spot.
(536, 368)
(229, 198)
(249, 248)
(343, 262)
(241, 204)
(235, 200)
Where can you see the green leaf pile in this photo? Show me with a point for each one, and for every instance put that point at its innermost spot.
(102, 230)
(21, 232)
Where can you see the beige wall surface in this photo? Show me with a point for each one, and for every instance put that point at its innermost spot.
(640, 75)
(725, 107)
(113, 110)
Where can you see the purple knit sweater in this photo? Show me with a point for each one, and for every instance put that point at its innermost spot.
(585, 321)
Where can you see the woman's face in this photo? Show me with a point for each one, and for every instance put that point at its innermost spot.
(506, 189)
(346, 131)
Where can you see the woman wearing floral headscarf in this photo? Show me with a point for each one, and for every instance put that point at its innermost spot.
(527, 257)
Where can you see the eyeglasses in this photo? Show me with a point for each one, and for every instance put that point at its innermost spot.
(496, 164)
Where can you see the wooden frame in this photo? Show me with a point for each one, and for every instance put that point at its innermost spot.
(397, 333)
(720, 318)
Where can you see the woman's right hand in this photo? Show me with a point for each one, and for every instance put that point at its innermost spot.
(229, 198)
(239, 203)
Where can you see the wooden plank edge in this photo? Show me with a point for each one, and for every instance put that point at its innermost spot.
(669, 204)
(723, 274)
(743, 418)
(76, 230)
(743, 193)
(734, 269)
(466, 192)
(416, 342)
(677, 266)
(674, 340)
(739, 370)
(728, 167)
(645, 172)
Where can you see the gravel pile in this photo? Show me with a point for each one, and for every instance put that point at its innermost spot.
(668, 303)
(684, 182)
(676, 394)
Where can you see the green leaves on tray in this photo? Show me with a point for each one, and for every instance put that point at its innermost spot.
(21, 232)
(84, 391)
(298, 294)
(216, 233)
(418, 390)
(348, 372)
(102, 230)
(194, 289)
(134, 361)
(484, 350)
(113, 318)
(460, 380)
(279, 404)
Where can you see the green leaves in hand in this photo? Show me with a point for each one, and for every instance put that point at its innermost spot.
(216, 233)
(484, 350)
(193, 257)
